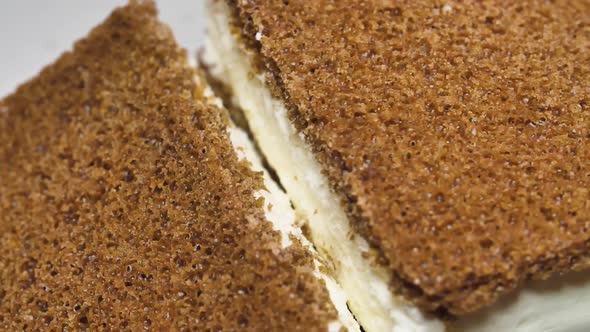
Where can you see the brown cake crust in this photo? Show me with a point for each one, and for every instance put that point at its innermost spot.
(123, 205)
(456, 133)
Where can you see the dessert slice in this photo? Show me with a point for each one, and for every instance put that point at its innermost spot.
(129, 201)
(438, 151)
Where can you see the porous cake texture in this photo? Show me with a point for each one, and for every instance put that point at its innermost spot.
(456, 133)
(123, 204)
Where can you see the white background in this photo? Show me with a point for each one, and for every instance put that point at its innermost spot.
(33, 33)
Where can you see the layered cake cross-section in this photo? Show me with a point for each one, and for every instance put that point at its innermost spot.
(438, 150)
(128, 201)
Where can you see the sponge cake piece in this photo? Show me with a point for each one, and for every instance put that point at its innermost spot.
(129, 201)
(451, 136)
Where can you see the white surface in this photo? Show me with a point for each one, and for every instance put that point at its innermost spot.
(33, 33)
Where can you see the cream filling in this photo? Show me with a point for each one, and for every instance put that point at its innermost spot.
(560, 304)
(281, 215)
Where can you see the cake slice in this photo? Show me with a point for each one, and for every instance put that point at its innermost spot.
(128, 201)
(439, 151)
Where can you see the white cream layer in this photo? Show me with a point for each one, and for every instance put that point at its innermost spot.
(562, 304)
(279, 212)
